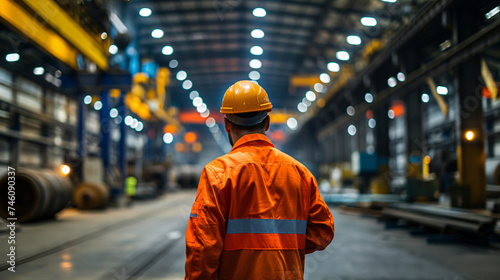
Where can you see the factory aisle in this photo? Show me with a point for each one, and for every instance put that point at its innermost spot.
(146, 241)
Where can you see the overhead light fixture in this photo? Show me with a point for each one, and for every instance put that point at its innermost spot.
(104, 35)
(197, 101)
(307, 102)
(333, 67)
(256, 50)
(368, 97)
(98, 105)
(113, 49)
(291, 123)
(38, 71)
(145, 12)
(255, 63)
(254, 75)
(87, 99)
(193, 94)
(205, 114)
(368, 21)
(12, 57)
(257, 33)
(392, 82)
(324, 78)
(318, 87)
(181, 75)
(492, 13)
(311, 96)
(167, 50)
(342, 55)
(469, 135)
(187, 84)
(210, 122)
(442, 90)
(351, 111)
(134, 123)
(372, 123)
(302, 107)
(157, 33)
(353, 40)
(139, 126)
(128, 120)
(202, 108)
(391, 114)
(401, 76)
(168, 138)
(259, 12)
(113, 113)
(389, 1)
(425, 97)
(351, 130)
(173, 63)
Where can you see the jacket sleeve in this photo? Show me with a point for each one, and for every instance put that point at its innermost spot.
(205, 231)
(320, 226)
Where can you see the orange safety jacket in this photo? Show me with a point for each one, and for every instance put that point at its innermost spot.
(256, 214)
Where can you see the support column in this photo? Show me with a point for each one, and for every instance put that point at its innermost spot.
(470, 152)
(414, 134)
(105, 130)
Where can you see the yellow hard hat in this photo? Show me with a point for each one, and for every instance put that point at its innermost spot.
(245, 97)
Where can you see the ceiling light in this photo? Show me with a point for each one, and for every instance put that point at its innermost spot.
(302, 107)
(173, 63)
(254, 75)
(256, 50)
(202, 108)
(210, 122)
(145, 12)
(187, 84)
(128, 120)
(368, 21)
(372, 123)
(311, 96)
(425, 97)
(469, 135)
(197, 101)
(117, 23)
(333, 67)
(307, 102)
(401, 77)
(98, 105)
(351, 130)
(342, 55)
(193, 94)
(369, 97)
(291, 123)
(391, 114)
(392, 82)
(12, 57)
(104, 35)
(181, 75)
(168, 138)
(38, 71)
(113, 49)
(325, 78)
(87, 99)
(134, 123)
(351, 111)
(389, 1)
(442, 90)
(353, 40)
(257, 33)
(255, 64)
(167, 50)
(492, 13)
(139, 127)
(318, 87)
(113, 113)
(157, 33)
(259, 12)
(205, 114)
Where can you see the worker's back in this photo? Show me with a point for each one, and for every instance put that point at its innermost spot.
(262, 202)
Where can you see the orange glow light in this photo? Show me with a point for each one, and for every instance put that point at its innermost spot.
(65, 170)
(190, 137)
(469, 135)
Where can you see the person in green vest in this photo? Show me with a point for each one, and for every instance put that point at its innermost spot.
(130, 188)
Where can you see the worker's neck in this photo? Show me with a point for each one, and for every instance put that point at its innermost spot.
(235, 136)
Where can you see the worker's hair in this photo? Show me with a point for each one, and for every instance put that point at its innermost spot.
(258, 127)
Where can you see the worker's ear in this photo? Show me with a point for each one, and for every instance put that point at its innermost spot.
(227, 125)
(268, 122)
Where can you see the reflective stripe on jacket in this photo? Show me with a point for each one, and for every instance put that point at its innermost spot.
(256, 214)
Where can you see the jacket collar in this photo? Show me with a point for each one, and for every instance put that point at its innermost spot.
(256, 137)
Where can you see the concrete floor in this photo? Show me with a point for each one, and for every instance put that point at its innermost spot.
(146, 241)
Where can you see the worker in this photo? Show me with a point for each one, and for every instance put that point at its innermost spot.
(130, 188)
(257, 211)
